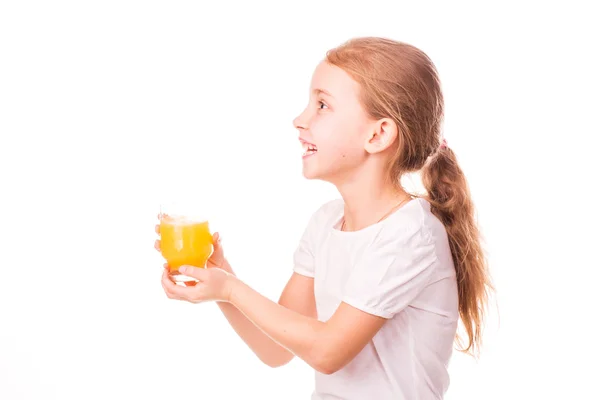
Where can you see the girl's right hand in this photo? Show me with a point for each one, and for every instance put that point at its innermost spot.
(217, 258)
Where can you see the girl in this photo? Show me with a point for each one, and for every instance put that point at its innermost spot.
(380, 276)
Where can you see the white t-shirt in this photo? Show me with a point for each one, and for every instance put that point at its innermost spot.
(400, 269)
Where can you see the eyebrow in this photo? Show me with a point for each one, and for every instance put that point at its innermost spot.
(323, 91)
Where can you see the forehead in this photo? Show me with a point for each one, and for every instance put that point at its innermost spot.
(335, 81)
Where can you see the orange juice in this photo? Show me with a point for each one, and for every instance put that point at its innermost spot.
(185, 242)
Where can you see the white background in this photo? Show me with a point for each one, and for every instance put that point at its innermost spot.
(107, 107)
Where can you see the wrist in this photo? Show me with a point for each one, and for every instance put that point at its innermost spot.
(225, 266)
(231, 286)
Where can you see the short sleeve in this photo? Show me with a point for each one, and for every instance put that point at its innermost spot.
(391, 272)
(304, 256)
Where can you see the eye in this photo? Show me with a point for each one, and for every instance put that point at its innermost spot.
(322, 105)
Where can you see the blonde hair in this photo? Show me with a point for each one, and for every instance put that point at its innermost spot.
(400, 82)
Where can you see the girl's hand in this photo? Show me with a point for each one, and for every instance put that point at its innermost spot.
(214, 284)
(217, 258)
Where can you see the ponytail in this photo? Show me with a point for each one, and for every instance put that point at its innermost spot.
(450, 199)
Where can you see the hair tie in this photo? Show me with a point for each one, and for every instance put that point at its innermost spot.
(444, 144)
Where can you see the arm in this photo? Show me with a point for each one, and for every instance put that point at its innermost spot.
(298, 295)
(385, 279)
(326, 346)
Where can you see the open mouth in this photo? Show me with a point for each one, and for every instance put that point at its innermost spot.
(308, 148)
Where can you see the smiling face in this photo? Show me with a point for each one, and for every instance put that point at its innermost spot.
(334, 128)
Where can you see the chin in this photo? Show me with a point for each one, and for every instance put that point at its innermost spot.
(309, 175)
(314, 171)
(315, 175)
(310, 172)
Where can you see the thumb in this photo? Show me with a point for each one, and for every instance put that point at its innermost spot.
(194, 272)
(218, 248)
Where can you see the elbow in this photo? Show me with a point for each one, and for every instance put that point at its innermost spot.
(327, 367)
(327, 362)
(276, 362)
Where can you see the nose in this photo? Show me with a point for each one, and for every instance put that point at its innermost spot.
(300, 122)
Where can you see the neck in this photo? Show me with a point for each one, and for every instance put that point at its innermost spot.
(368, 200)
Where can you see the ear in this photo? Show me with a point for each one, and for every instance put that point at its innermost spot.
(382, 136)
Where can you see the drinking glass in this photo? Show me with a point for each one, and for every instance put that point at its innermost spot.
(185, 238)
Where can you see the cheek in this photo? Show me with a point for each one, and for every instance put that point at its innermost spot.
(337, 133)
(347, 144)
(341, 152)
(351, 152)
(339, 138)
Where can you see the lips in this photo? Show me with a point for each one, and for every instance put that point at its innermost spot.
(308, 148)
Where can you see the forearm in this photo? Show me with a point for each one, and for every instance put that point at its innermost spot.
(265, 348)
(301, 335)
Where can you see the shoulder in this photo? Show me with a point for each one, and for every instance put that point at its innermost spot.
(331, 206)
(327, 213)
(409, 226)
(414, 234)
(313, 233)
(323, 217)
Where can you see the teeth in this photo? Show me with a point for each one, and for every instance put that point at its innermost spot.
(308, 148)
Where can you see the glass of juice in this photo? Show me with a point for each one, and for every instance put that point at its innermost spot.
(185, 239)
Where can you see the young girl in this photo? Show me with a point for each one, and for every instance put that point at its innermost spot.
(380, 276)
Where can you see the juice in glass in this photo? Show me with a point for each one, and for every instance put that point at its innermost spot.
(184, 241)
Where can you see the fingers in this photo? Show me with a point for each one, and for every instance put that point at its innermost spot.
(194, 272)
(217, 242)
(157, 229)
(166, 283)
(157, 245)
(172, 290)
(163, 216)
(169, 286)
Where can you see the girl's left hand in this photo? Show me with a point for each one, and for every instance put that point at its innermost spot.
(214, 284)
